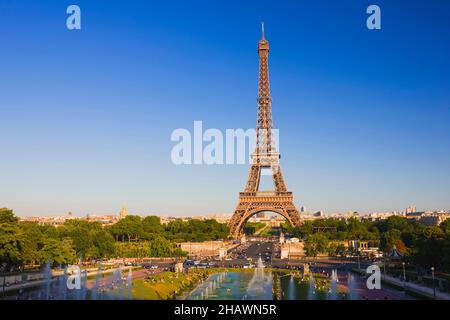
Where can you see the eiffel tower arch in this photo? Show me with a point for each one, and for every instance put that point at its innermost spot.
(252, 200)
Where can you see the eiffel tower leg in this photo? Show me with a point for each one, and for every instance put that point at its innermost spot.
(293, 214)
(253, 179)
(237, 221)
(278, 179)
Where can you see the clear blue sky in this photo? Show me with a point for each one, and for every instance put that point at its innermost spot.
(87, 115)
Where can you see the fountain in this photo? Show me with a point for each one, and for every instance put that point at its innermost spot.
(351, 284)
(63, 284)
(129, 284)
(333, 284)
(260, 282)
(311, 288)
(81, 293)
(291, 289)
(48, 279)
(259, 264)
(118, 283)
(94, 290)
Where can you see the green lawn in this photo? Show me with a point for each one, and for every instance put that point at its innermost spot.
(166, 285)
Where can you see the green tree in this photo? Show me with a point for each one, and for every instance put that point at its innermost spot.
(341, 250)
(89, 239)
(445, 226)
(58, 252)
(398, 223)
(196, 230)
(430, 248)
(32, 242)
(132, 249)
(10, 246)
(7, 216)
(160, 247)
(128, 229)
(152, 225)
(389, 237)
(315, 244)
(104, 242)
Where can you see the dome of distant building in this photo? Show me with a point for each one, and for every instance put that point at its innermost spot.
(123, 213)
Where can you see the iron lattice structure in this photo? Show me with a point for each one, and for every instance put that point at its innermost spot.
(252, 201)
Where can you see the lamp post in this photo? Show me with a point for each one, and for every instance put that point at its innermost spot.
(359, 262)
(4, 280)
(404, 276)
(434, 287)
(289, 253)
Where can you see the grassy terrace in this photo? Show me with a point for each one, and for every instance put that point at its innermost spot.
(166, 285)
(170, 285)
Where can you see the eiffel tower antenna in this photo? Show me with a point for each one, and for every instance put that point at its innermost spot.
(252, 200)
(262, 30)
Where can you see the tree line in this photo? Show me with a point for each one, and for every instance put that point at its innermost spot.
(423, 245)
(32, 244)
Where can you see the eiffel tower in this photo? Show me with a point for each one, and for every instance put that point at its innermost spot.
(252, 201)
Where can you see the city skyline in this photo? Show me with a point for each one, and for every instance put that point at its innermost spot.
(89, 122)
(305, 213)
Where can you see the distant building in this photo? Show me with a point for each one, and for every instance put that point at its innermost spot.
(410, 209)
(292, 250)
(206, 248)
(282, 240)
(358, 245)
(376, 216)
(123, 213)
(415, 215)
(223, 253)
(319, 214)
(261, 215)
(49, 220)
(433, 218)
(293, 240)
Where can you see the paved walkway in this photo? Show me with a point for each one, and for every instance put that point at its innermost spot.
(417, 288)
(414, 287)
(38, 283)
